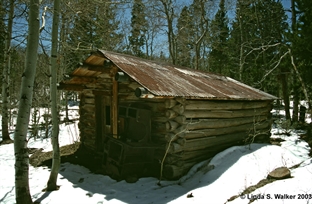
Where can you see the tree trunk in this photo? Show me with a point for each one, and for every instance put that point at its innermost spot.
(168, 9)
(22, 192)
(283, 78)
(295, 83)
(5, 77)
(55, 123)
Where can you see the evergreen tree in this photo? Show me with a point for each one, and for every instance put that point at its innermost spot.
(2, 33)
(184, 38)
(303, 41)
(192, 29)
(218, 57)
(170, 16)
(255, 40)
(139, 25)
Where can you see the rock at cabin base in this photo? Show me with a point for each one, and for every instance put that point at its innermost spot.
(279, 173)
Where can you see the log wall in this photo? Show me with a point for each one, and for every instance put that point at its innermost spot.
(195, 129)
(198, 129)
(87, 121)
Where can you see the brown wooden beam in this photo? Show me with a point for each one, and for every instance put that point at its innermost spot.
(115, 103)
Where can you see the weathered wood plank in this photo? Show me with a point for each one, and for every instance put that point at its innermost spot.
(115, 108)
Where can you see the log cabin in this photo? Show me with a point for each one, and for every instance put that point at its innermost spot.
(142, 116)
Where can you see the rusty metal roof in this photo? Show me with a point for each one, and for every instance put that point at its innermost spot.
(168, 80)
(162, 79)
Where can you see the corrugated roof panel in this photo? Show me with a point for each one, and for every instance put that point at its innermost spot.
(167, 80)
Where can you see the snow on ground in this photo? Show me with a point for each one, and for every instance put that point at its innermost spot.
(234, 170)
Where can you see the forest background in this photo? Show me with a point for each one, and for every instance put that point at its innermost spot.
(258, 42)
(266, 44)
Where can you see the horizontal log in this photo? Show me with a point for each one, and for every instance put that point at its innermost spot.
(159, 119)
(178, 109)
(87, 118)
(122, 97)
(89, 100)
(88, 94)
(181, 100)
(105, 76)
(186, 157)
(192, 134)
(226, 113)
(159, 138)
(174, 172)
(224, 105)
(134, 85)
(207, 142)
(171, 114)
(221, 123)
(169, 103)
(171, 137)
(181, 119)
(171, 125)
(166, 127)
(70, 87)
(88, 108)
(103, 91)
(156, 106)
(96, 86)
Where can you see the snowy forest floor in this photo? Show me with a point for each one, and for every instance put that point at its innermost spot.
(235, 175)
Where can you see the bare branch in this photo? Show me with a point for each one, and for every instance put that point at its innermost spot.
(270, 71)
(43, 19)
(300, 79)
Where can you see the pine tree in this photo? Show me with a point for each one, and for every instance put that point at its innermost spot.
(255, 40)
(303, 43)
(192, 29)
(169, 13)
(218, 57)
(139, 26)
(184, 38)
